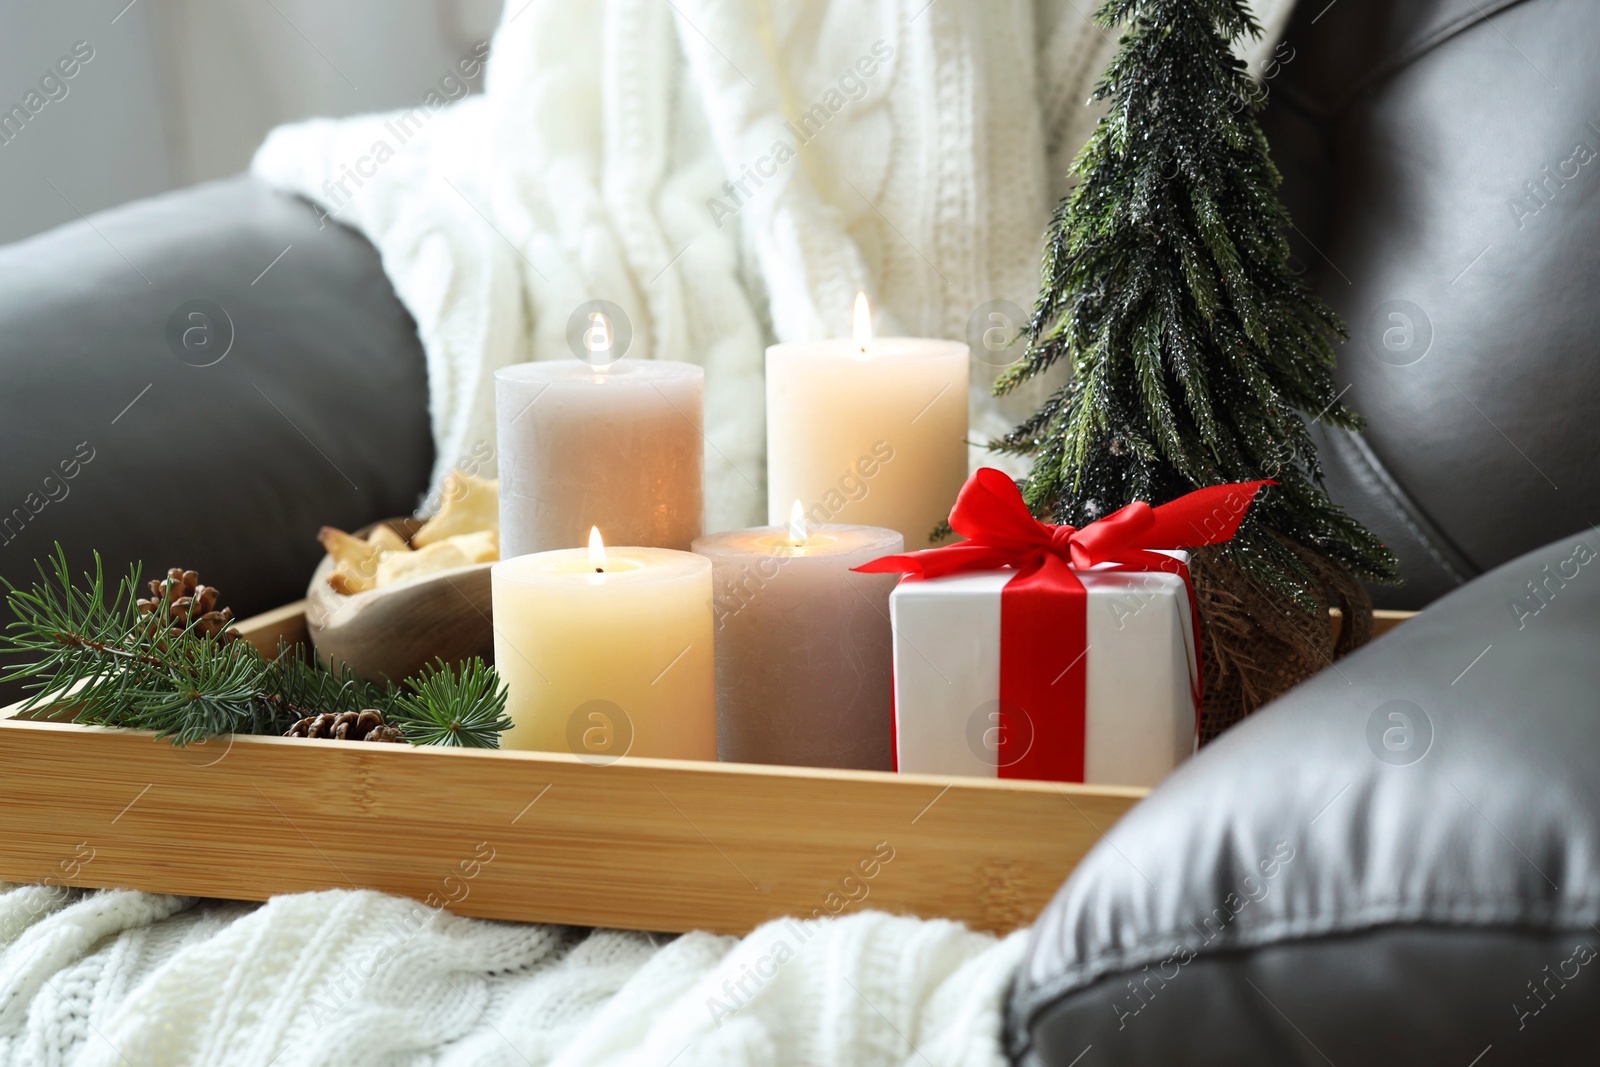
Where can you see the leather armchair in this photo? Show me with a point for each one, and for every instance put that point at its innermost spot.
(1438, 158)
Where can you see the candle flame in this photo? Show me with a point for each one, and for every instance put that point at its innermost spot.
(863, 322)
(597, 550)
(798, 532)
(597, 339)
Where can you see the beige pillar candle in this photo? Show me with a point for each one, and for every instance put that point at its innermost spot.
(870, 431)
(804, 648)
(607, 652)
(617, 446)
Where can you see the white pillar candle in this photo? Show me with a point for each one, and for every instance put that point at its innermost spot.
(804, 648)
(870, 431)
(607, 652)
(616, 446)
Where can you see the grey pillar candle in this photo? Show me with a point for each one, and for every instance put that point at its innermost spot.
(619, 447)
(804, 652)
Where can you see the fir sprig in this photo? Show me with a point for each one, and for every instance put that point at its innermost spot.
(95, 657)
(464, 708)
(294, 681)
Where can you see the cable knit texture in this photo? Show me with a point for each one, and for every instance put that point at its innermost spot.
(352, 978)
(729, 173)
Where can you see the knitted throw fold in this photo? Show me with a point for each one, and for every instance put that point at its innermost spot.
(729, 174)
(351, 978)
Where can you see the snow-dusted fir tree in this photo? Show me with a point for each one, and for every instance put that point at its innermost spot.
(1196, 352)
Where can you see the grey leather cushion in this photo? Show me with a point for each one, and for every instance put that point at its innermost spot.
(1441, 159)
(317, 413)
(1397, 862)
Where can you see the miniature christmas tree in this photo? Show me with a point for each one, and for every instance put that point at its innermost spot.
(1196, 352)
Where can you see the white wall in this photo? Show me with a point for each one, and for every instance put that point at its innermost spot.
(179, 91)
(105, 141)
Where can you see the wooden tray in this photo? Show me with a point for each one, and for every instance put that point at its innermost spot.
(637, 843)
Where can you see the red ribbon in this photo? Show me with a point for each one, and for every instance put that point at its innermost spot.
(1044, 607)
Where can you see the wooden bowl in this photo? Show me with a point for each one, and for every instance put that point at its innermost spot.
(394, 631)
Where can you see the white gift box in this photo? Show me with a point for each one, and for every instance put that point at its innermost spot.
(1140, 666)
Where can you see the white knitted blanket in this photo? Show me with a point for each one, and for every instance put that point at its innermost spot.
(728, 173)
(351, 978)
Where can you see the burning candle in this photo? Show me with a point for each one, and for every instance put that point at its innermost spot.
(871, 431)
(607, 652)
(804, 652)
(584, 442)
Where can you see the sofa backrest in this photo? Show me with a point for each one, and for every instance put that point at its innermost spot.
(1441, 160)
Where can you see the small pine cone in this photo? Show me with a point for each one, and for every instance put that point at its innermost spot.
(345, 726)
(178, 600)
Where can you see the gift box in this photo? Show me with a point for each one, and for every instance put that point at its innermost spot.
(1033, 650)
(1140, 674)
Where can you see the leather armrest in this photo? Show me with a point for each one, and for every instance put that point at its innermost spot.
(1396, 862)
(222, 442)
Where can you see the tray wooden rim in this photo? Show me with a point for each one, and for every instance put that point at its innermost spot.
(636, 843)
(9, 721)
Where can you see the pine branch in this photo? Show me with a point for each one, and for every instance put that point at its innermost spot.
(465, 709)
(97, 657)
(296, 686)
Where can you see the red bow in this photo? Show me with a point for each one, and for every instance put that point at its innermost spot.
(1044, 640)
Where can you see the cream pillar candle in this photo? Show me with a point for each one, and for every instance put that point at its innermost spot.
(607, 652)
(871, 431)
(617, 446)
(804, 648)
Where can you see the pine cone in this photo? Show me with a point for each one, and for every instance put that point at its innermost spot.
(365, 725)
(178, 600)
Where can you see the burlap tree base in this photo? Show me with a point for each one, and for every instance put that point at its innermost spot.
(1257, 646)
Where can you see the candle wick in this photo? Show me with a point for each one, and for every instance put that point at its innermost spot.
(599, 570)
